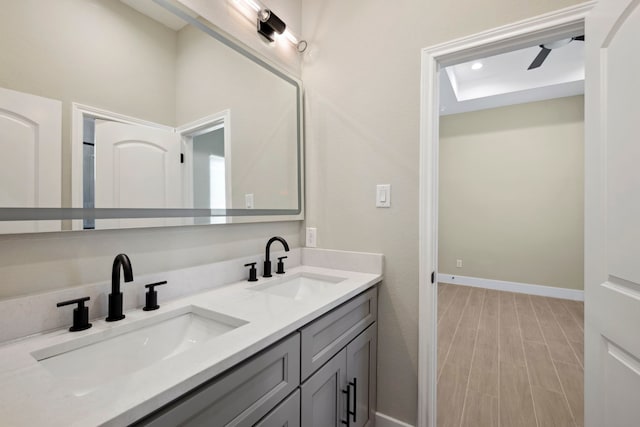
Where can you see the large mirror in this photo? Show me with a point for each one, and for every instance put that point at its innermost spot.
(128, 113)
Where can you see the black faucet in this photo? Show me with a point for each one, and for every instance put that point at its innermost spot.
(115, 297)
(267, 262)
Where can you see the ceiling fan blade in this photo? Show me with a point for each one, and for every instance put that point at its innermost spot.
(581, 38)
(544, 52)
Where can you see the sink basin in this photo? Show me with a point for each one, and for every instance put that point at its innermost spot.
(299, 286)
(90, 361)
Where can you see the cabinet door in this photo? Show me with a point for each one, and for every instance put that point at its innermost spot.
(286, 414)
(361, 376)
(322, 401)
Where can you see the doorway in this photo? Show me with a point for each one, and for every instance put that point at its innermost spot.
(207, 173)
(511, 232)
(553, 26)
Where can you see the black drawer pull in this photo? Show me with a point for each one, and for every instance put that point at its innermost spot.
(354, 383)
(347, 422)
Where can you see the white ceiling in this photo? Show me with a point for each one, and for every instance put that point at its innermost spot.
(504, 79)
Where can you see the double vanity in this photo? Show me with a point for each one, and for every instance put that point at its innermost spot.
(298, 348)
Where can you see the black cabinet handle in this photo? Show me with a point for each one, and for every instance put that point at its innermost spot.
(354, 383)
(348, 393)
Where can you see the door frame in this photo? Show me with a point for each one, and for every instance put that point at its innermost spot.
(219, 120)
(536, 30)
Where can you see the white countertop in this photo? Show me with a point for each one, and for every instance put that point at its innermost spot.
(31, 396)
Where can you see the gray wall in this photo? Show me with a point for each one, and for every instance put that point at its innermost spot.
(34, 263)
(362, 79)
(511, 193)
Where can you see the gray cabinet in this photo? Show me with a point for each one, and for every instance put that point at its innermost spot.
(345, 387)
(322, 400)
(240, 397)
(327, 335)
(322, 376)
(361, 375)
(286, 414)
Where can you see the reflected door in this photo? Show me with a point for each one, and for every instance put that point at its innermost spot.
(136, 167)
(30, 164)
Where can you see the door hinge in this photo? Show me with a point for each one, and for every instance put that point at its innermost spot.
(181, 157)
(433, 277)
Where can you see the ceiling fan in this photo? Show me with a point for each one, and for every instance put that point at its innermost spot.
(545, 50)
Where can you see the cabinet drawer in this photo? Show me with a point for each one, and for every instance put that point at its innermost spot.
(286, 414)
(240, 397)
(326, 336)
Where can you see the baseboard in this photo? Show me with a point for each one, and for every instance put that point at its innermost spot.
(522, 288)
(383, 420)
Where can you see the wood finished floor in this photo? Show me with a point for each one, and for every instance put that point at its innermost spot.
(508, 360)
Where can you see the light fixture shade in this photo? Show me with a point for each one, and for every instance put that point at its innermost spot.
(269, 24)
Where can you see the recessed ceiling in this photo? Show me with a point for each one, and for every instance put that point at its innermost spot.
(505, 79)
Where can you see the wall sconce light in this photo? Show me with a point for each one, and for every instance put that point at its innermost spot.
(270, 26)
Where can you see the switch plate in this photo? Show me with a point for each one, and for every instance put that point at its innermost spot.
(459, 263)
(248, 200)
(383, 195)
(311, 237)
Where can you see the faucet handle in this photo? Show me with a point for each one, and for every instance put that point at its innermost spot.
(253, 272)
(80, 314)
(151, 297)
(280, 267)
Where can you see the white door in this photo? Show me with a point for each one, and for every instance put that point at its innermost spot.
(612, 220)
(30, 164)
(136, 167)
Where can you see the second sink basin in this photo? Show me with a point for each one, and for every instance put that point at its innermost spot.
(90, 361)
(299, 286)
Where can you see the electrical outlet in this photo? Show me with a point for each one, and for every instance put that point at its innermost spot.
(311, 237)
(459, 263)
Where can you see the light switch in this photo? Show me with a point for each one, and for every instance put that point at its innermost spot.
(248, 200)
(383, 195)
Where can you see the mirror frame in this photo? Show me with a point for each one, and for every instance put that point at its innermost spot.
(231, 215)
